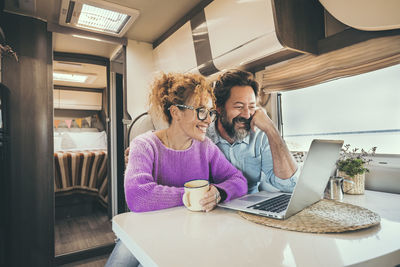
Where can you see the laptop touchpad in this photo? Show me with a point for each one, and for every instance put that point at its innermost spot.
(253, 198)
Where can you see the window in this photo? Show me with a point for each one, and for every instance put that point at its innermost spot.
(97, 16)
(100, 19)
(362, 110)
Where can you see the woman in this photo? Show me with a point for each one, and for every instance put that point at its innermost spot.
(161, 162)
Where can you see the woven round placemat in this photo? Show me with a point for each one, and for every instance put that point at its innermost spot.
(325, 216)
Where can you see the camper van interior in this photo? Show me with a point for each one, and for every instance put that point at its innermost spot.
(75, 78)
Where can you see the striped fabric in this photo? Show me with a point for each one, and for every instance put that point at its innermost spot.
(81, 172)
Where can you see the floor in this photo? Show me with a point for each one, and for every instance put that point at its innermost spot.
(82, 232)
(99, 261)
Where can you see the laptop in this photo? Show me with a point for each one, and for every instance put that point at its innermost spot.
(317, 168)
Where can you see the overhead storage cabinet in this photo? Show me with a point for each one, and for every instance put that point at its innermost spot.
(242, 34)
(240, 31)
(68, 99)
(56, 98)
(176, 53)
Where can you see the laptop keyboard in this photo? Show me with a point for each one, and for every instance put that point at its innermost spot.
(276, 204)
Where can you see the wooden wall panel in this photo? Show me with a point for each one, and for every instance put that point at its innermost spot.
(30, 214)
(308, 70)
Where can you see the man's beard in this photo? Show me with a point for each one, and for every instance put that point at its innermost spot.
(236, 134)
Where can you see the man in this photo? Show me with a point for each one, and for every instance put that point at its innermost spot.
(248, 137)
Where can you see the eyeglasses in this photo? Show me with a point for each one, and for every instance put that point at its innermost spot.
(201, 112)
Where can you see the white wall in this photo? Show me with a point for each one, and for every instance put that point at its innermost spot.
(140, 74)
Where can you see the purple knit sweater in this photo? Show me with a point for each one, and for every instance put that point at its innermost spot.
(155, 174)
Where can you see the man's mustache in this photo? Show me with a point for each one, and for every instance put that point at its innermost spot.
(242, 120)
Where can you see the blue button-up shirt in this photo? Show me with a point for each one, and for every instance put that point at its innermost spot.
(253, 157)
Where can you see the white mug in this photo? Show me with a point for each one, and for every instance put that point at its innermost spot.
(194, 192)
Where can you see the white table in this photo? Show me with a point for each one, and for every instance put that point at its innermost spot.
(179, 237)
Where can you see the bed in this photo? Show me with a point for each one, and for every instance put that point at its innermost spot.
(80, 160)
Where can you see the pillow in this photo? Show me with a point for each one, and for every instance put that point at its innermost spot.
(85, 140)
(67, 142)
(57, 142)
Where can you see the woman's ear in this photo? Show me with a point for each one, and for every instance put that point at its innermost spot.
(175, 114)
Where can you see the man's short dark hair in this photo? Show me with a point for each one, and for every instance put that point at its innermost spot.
(229, 79)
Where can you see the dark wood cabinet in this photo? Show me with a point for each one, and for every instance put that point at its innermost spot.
(4, 168)
(30, 206)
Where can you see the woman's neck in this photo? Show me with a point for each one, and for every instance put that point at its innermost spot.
(175, 139)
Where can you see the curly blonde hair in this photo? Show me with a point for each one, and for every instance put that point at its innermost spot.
(176, 88)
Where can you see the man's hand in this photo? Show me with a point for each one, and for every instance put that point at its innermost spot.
(261, 121)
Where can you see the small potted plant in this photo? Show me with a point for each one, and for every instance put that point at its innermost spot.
(351, 165)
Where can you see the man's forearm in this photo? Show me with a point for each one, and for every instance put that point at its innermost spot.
(284, 164)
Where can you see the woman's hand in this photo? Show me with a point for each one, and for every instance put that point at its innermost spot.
(210, 199)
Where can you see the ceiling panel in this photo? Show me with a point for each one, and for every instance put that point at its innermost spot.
(96, 71)
(156, 16)
(71, 44)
